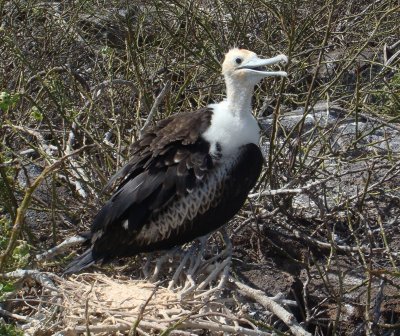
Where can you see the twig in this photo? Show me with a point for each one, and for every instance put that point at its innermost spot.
(56, 250)
(46, 148)
(132, 331)
(40, 277)
(154, 108)
(19, 220)
(22, 318)
(274, 307)
(77, 172)
(324, 245)
(311, 86)
(378, 302)
(285, 191)
(395, 326)
(97, 88)
(211, 326)
(59, 69)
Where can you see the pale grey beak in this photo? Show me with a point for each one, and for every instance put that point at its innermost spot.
(256, 66)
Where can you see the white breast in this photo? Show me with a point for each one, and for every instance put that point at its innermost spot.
(231, 130)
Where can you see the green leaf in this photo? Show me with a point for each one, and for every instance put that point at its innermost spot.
(6, 287)
(8, 100)
(9, 330)
(36, 114)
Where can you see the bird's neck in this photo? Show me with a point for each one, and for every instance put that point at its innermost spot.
(238, 98)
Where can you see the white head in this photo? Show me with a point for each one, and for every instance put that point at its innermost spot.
(245, 66)
(242, 70)
(233, 124)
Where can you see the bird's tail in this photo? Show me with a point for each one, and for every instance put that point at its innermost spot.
(78, 264)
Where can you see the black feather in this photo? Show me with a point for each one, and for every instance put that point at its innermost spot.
(83, 261)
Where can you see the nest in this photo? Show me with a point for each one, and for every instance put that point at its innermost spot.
(108, 304)
(198, 297)
(97, 304)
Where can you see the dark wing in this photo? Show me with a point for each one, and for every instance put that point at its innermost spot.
(182, 129)
(167, 161)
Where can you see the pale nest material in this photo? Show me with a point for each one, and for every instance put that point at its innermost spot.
(95, 304)
(105, 305)
(98, 300)
(195, 295)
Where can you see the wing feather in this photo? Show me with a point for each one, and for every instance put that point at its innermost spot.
(168, 161)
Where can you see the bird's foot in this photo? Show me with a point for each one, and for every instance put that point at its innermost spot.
(193, 271)
(200, 276)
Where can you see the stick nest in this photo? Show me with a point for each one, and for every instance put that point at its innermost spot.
(98, 300)
(103, 305)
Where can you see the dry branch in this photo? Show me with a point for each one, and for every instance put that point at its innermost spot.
(154, 108)
(23, 207)
(62, 247)
(42, 278)
(274, 307)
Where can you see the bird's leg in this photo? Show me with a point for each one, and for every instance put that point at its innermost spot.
(146, 267)
(179, 269)
(213, 267)
(194, 256)
(226, 252)
(161, 261)
(198, 258)
(194, 272)
(221, 268)
(195, 262)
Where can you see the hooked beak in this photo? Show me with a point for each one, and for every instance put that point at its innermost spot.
(256, 66)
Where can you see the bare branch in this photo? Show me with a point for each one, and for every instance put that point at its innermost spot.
(274, 307)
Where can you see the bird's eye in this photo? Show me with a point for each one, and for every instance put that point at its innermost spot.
(238, 60)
